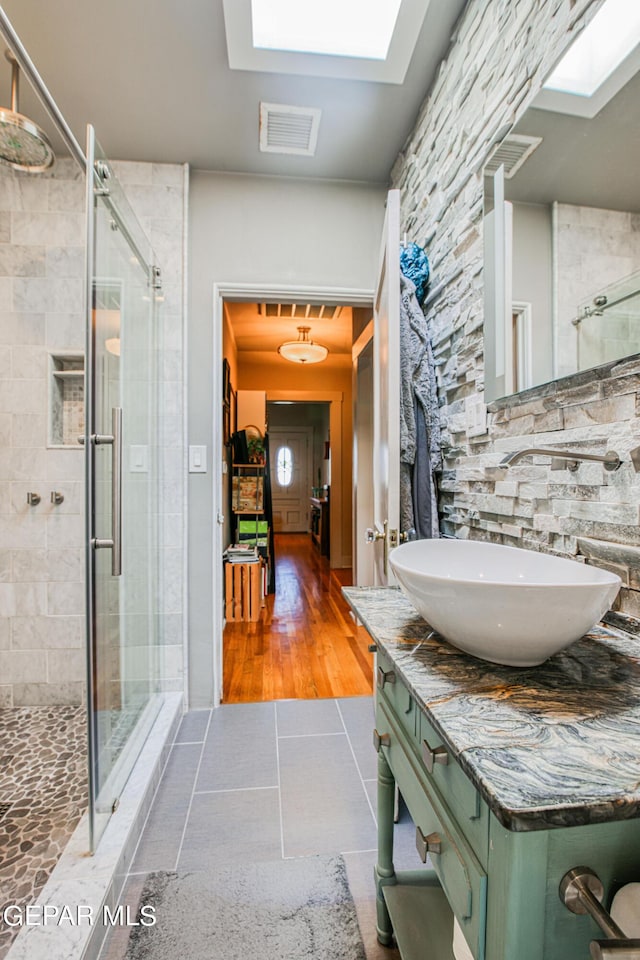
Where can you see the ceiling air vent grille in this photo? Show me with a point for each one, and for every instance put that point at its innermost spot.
(287, 129)
(300, 311)
(512, 153)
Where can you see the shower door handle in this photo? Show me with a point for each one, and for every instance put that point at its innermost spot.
(115, 441)
(116, 492)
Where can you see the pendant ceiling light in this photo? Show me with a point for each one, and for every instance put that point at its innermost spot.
(303, 350)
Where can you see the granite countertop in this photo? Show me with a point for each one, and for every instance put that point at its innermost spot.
(549, 746)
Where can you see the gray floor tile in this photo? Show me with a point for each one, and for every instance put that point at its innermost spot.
(226, 827)
(240, 749)
(324, 806)
(301, 717)
(193, 726)
(359, 719)
(160, 841)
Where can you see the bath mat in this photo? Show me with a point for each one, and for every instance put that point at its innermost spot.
(279, 910)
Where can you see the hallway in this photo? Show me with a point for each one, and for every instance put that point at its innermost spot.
(305, 645)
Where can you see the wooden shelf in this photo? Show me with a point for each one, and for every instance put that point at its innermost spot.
(421, 917)
(320, 524)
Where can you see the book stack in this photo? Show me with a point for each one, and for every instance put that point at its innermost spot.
(241, 553)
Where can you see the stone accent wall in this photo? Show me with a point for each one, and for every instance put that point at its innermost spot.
(498, 58)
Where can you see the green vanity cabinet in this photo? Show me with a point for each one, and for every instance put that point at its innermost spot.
(501, 885)
(511, 777)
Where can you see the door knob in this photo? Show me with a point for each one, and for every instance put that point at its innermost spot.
(372, 535)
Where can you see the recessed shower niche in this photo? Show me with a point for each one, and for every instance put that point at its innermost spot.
(66, 399)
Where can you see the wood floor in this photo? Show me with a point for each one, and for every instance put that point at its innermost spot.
(305, 644)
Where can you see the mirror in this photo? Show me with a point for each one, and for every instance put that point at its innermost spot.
(562, 236)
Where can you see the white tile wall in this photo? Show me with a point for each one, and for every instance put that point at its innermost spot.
(42, 255)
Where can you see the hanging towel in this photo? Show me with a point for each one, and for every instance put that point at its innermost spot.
(420, 455)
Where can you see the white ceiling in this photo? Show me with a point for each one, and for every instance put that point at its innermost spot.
(153, 78)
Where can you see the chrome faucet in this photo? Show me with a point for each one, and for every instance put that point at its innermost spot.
(611, 460)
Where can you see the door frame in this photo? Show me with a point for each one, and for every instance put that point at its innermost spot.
(250, 293)
(362, 555)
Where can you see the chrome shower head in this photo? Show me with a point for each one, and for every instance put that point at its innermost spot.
(23, 145)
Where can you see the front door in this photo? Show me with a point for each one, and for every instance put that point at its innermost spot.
(289, 451)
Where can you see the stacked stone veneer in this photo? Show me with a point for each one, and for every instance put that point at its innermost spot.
(42, 253)
(498, 58)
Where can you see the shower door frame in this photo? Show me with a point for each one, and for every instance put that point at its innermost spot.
(96, 186)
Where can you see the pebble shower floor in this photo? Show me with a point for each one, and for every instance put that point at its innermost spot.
(43, 794)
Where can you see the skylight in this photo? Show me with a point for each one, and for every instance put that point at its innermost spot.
(344, 28)
(602, 46)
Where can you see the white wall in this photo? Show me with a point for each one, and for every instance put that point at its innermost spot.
(267, 230)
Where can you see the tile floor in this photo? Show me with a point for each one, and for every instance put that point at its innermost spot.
(43, 794)
(264, 781)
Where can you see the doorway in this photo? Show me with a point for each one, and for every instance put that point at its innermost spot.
(304, 643)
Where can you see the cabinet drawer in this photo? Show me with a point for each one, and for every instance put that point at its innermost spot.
(458, 869)
(390, 688)
(463, 800)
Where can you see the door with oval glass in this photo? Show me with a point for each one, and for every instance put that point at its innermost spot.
(289, 456)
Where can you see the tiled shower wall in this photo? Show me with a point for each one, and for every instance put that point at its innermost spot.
(42, 657)
(497, 61)
(594, 248)
(158, 196)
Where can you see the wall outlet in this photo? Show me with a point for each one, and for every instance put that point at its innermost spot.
(476, 414)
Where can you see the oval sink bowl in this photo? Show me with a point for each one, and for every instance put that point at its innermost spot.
(502, 604)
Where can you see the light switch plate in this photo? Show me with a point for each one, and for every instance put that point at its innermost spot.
(138, 458)
(197, 459)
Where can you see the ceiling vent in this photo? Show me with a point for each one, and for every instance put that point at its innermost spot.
(512, 153)
(287, 129)
(300, 311)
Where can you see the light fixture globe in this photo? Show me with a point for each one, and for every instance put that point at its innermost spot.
(303, 350)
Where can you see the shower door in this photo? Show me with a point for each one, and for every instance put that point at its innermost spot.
(122, 488)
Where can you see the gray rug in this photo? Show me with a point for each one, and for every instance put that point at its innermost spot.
(283, 910)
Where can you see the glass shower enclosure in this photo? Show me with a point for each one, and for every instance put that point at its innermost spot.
(122, 487)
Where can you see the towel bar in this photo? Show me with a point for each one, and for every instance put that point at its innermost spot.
(581, 892)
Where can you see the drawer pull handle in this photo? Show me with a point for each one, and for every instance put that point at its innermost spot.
(385, 676)
(430, 844)
(381, 740)
(432, 756)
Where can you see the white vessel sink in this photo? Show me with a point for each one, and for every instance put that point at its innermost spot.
(502, 604)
